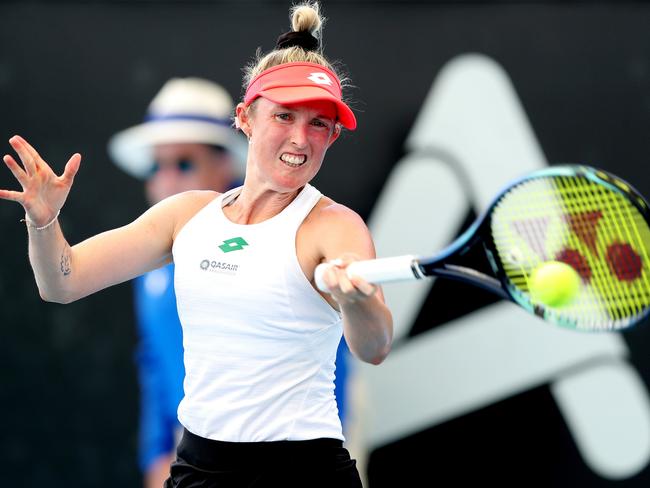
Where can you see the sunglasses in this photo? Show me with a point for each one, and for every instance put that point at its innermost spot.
(181, 166)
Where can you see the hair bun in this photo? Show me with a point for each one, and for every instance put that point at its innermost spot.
(303, 39)
(306, 17)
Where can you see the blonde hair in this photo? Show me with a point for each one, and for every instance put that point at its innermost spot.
(304, 17)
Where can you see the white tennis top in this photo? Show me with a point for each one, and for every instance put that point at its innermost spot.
(260, 342)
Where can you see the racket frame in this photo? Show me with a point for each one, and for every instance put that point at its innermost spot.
(442, 264)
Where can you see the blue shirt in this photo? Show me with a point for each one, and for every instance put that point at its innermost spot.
(159, 360)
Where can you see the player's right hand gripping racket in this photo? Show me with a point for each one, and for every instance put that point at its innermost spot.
(587, 218)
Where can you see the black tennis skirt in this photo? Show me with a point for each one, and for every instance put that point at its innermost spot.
(206, 463)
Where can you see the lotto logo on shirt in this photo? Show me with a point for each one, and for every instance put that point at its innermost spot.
(215, 266)
(233, 244)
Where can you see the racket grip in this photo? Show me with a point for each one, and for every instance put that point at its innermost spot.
(377, 271)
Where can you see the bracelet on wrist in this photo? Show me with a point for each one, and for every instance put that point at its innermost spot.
(31, 224)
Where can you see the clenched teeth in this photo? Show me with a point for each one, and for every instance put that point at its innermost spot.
(293, 160)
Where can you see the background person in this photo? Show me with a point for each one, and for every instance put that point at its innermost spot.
(186, 142)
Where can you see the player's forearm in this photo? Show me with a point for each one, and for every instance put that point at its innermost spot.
(51, 259)
(368, 327)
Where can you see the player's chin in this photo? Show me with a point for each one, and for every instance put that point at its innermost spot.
(289, 185)
(295, 178)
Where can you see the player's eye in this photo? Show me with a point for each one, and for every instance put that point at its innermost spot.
(322, 124)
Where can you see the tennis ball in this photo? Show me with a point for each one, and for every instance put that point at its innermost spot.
(554, 283)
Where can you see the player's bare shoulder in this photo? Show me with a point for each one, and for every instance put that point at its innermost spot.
(329, 230)
(334, 215)
(332, 230)
(330, 219)
(183, 206)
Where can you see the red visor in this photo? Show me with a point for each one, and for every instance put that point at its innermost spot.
(300, 82)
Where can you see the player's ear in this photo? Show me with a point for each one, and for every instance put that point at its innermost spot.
(335, 134)
(242, 119)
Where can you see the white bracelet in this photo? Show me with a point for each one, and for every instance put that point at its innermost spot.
(33, 226)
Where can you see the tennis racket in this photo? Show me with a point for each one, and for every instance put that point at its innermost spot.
(581, 216)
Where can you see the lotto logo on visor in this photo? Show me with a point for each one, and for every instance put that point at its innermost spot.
(293, 83)
(320, 78)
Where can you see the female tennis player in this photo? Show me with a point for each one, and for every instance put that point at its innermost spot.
(259, 339)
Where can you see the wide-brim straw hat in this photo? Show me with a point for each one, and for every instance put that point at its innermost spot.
(185, 110)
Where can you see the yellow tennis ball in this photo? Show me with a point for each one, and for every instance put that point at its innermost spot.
(554, 284)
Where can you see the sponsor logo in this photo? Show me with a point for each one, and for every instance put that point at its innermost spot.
(234, 244)
(215, 266)
(320, 78)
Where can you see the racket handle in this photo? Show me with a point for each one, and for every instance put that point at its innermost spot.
(377, 271)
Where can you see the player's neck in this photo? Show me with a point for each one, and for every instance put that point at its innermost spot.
(253, 206)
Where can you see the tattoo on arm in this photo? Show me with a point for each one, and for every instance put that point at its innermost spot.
(65, 261)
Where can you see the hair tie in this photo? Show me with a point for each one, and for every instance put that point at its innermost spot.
(303, 39)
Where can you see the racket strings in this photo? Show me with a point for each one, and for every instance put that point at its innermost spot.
(628, 248)
(621, 258)
(543, 199)
(583, 223)
(587, 225)
(618, 301)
